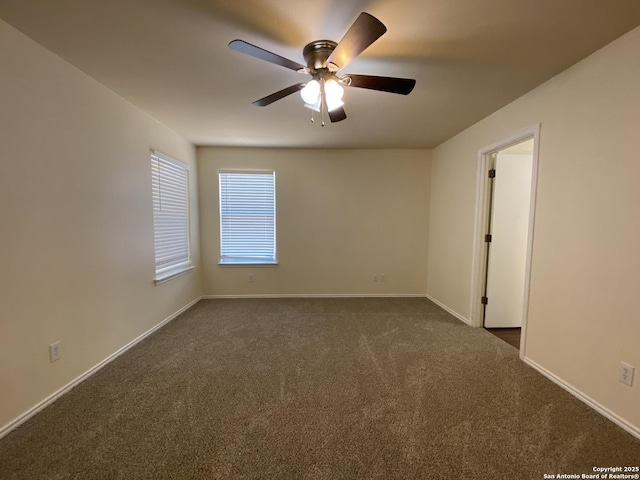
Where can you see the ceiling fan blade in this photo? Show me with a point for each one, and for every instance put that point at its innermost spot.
(364, 31)
(268, 100)
(337, 115)
(403, 86)
(249, 49)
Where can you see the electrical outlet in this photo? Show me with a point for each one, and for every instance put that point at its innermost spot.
(626, 374)
(251, 278)
(383, 277)
(55, 351)
(375, 278)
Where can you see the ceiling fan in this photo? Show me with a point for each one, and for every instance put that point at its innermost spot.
(325, 58)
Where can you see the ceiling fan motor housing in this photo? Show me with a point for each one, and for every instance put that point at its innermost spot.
(317, 52)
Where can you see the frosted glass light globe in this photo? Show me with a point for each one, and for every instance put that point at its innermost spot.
(334, 92)
(311, 92)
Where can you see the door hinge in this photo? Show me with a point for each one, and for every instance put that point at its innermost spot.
(487, 238)
(484, 300)
(492, 173)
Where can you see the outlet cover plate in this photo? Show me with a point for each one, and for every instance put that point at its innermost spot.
(626, 374)
(55, 351)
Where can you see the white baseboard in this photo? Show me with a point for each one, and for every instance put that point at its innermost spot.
(632, 429)
(448, 310)
(621, 422)
(318, 295)
(56, 395)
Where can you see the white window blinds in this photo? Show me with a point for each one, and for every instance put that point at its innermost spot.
(247, 217)
(170, 180)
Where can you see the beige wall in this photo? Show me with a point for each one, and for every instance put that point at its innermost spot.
(583, 312)
(342, 217)
(77, 261)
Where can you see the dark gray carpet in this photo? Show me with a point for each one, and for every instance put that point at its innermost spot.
(316, 389)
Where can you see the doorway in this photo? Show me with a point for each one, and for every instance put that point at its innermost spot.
(507, 174)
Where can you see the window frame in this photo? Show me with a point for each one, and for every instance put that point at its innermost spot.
(182, 265)
(240, 260)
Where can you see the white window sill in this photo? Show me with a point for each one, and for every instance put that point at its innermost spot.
(248, 263)
(165, 277)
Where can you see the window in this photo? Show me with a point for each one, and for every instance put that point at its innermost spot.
(170, 181)
(247, 217)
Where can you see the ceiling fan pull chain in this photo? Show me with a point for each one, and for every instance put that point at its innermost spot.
(323, 100)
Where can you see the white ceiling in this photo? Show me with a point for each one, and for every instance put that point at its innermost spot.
(469, 57)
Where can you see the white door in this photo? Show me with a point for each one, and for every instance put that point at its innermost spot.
(509, 231)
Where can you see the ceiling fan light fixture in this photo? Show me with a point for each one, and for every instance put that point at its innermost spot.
(312, 94)
(314, 106)
(333, 92)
